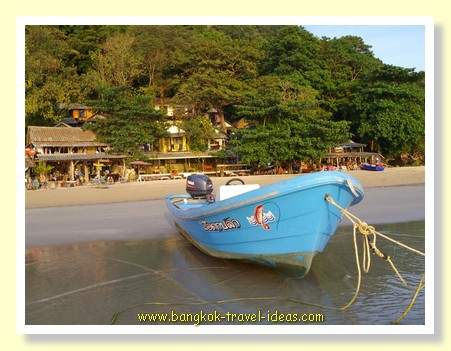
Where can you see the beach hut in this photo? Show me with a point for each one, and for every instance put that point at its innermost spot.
(72, 151)
(350, 155)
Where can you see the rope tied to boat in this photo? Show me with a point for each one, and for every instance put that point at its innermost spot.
(370, 235)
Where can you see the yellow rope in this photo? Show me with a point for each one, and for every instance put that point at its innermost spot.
(412, 301)
(359, 272)
(370, 245)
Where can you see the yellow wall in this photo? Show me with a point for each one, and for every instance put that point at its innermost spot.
(165, 144)
(87, 114)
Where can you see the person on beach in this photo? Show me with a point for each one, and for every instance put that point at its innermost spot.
(35, 183)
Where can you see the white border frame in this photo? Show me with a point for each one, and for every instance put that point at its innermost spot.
(428, 328)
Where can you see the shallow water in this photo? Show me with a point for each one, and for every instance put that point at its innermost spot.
(87, 283)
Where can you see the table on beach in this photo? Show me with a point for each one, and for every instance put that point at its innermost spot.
(161, 176)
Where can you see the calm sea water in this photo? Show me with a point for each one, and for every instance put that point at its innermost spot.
(88, 283)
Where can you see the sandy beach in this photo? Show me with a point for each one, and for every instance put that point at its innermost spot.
(151, 190)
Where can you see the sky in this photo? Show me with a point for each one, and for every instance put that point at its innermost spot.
(396, 45)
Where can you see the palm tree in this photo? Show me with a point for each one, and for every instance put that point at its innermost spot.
(43, 169)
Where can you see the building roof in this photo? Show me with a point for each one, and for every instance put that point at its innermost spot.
(175, 131)
(351, 143)
(68, 122)
(77, 157)
(77, 106)
(61, 136)
(226, 124)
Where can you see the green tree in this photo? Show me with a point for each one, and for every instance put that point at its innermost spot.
(161, 49)
(387, 110)
(84, 41)
(49, 79)
(43, 168)
(289, 124)
(198, 131)
(129, 120)
(215, 72)
(117, 63)
(293, 51)
(289, 83)
(345, 61)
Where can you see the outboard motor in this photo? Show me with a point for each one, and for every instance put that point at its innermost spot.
(199, 186)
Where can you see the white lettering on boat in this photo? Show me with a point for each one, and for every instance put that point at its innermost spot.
(268, 217)
(225, 224)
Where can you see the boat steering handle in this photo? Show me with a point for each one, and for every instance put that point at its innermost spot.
(234, 180)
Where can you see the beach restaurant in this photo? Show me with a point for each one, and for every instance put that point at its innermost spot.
(350, 153)
(72, 152)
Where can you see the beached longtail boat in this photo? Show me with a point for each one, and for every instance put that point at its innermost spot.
(286, 223)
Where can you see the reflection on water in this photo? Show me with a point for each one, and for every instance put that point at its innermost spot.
(87, 283)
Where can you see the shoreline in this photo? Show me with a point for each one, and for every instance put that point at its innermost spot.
(158, 189)
(150, 220)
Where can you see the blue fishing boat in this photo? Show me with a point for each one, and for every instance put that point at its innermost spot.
(286, 223)
(370, 167)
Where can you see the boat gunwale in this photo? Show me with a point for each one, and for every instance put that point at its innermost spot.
(246, 199)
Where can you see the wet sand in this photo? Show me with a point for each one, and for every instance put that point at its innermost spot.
(151, 190)
(88, 283)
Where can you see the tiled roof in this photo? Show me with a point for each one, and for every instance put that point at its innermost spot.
(75, 157)
(351, 143)
(77, 106)
(60, 136)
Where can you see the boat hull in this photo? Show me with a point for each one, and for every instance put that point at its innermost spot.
(299, 261)
(374, 168)
(286, 223)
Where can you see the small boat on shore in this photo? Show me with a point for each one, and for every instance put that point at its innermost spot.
(370, 167)
(286, 223)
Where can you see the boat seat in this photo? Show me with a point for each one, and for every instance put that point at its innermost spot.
(228, 191)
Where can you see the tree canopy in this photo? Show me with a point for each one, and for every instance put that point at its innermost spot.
(127, 120)
(302, 94)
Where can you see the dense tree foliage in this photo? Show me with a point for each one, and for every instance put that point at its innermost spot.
(127, 120)
(199, 130)
(289, 124)
(390, 106)
(301, 94)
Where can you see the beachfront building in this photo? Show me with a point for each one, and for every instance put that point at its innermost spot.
(73, 153)
(175, 140)
(169, 154)
(171, 109)
(173, 155)
(77, 114)
(80, 112)
(350, 155)
(178, 112)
